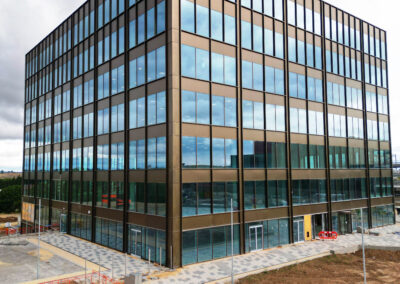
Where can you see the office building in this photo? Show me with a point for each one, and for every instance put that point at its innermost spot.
(147, 121)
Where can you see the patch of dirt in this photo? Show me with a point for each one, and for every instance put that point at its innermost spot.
(45, 255)
(9, 175)
(382, 267)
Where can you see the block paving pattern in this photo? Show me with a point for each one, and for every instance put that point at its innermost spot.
(114, 261)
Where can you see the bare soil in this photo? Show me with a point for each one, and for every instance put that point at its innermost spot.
(10, 175)
(382, 267)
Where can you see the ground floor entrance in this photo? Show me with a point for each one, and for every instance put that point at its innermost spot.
(256, 237)
(136, 242)
(63, 223)
(298, 229)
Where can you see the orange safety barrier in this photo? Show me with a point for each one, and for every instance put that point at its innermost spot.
(328, 235)
(8, 231)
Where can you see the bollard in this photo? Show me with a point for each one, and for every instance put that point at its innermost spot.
(160, 255)
(149, 259)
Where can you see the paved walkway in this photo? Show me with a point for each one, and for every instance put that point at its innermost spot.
(220, 269)
(216, 270)
(110, 259)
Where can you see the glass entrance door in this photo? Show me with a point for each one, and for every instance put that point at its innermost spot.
(319, 223)
(345, 223)
(298, 229)
(63, 223)
(256, 237)
(136, 239)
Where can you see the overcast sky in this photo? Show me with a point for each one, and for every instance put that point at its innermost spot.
(23, 23)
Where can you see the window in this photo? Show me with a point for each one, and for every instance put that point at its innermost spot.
(223, 69)
(132, 33)
(156, 64)
(370, 101)
(102, 157)
(314, 89)
(338, 156)
(223, 111)
(78, 96)
(195, 152)
(137, 155)
(195, 107)
(317, 156)
(246, 34)
(254, 195)
(298, 120)
(253, 154)
(315, 122)
(253, 114)
(337, 125)
(252, 75)
(291, 10)
(156, 153)
(309, 191)
(137, 109)
(196, 198)
(355, 127)
(57, 132)
(335, 94)
(88, 158)
(274, 80)
(117, 156)
(77, 127)
(155, 202)
(117, 118)
(276, 155)
(297, 85)
(88, 93)
(103, 86)
(87, 125)
(76, 159)
(199, 70)
(277, 193)
(299, 156)
(117, 80)
(224, 153)
(216, 25)
(207, 244)
(150, 23)
(103, 121)
(230, 29)
(292, 49)
(137, 72)
(160, 17)
(275, 117)
(356, 158)
(156, 110)
(348, 189)
(187, 16)
(202, 21)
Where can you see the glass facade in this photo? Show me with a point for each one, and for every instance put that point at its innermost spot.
(270, 109)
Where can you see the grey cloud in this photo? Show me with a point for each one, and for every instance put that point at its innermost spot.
(23, 24)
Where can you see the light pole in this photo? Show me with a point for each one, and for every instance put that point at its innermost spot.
(362, 243)
(38, 253)
(232, 273)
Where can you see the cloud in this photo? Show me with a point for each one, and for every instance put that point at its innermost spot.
(23, 24)
(11, 154)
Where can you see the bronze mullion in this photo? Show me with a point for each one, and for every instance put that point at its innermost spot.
(287, 108)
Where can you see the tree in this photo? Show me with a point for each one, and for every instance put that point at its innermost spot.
(10, 199)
